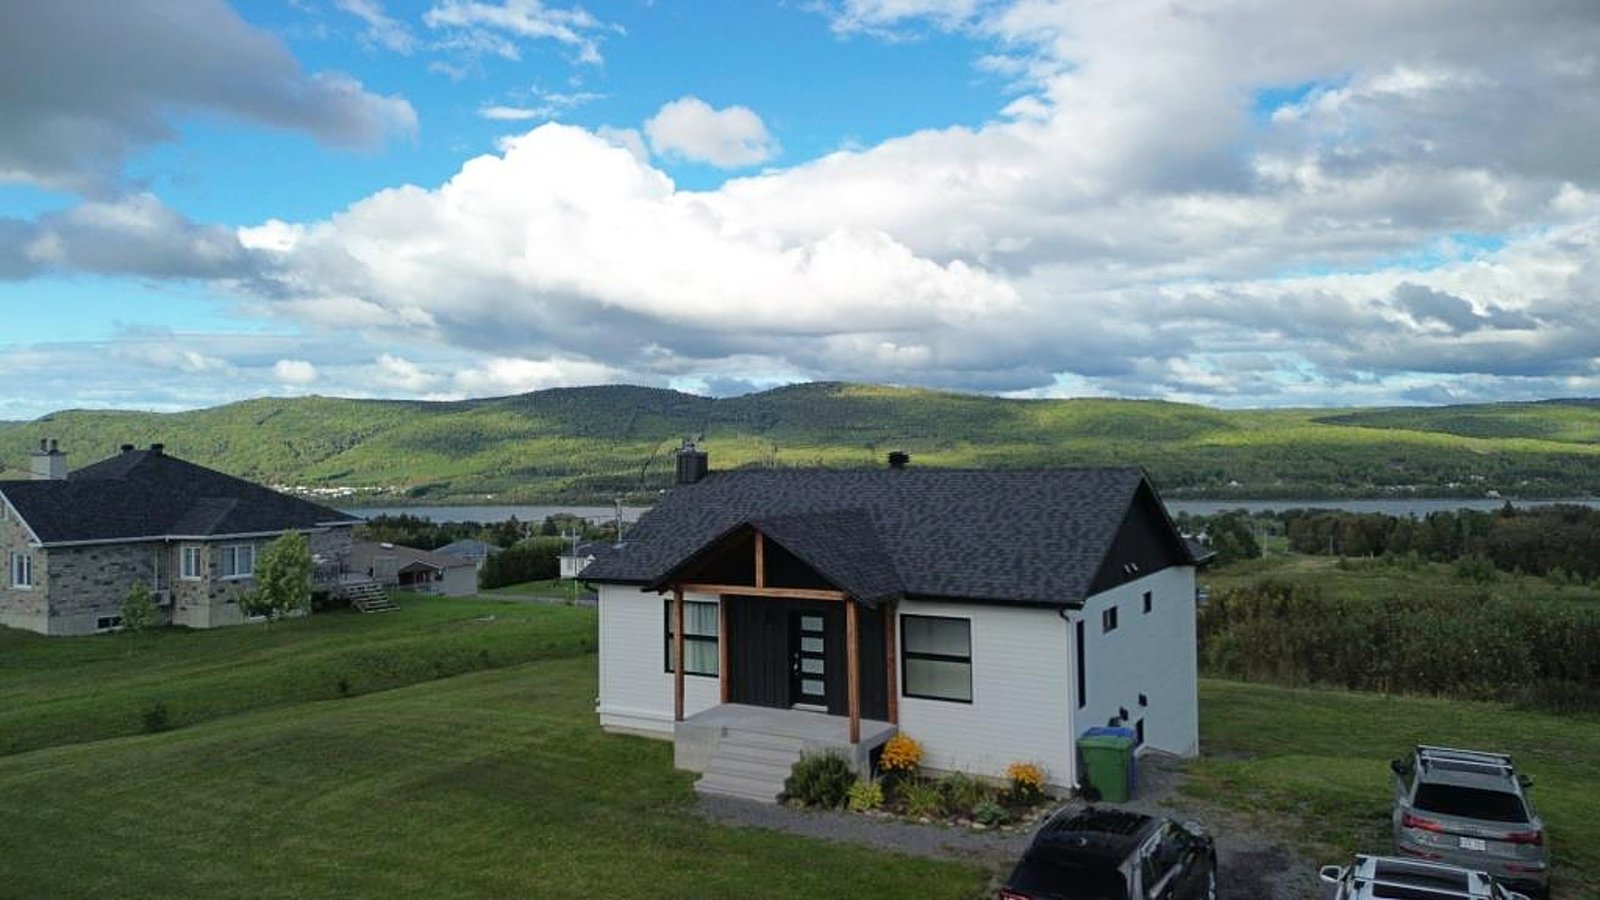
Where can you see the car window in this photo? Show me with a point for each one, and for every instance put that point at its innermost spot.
(1470, 803)
(1162, 857)
(1055, 878)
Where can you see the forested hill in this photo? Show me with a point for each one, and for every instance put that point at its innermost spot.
(589, 444)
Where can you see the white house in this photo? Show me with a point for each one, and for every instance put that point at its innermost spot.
(992, 615)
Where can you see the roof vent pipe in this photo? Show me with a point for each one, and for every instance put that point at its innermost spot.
(127, 448)
(899, 459)
(158, 449)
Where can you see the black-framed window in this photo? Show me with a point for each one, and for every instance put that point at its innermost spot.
(1149, 602)
(699, 638)
(936, 658)
(1108, 619)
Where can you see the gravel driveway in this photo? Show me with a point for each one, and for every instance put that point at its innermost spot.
(1252, 865)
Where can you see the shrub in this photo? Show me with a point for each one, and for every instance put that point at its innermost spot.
(901, 755)
(990, 813)
(865, 795)
(1027, 782)
(922, 798)
(820, 780)
(139, 609)
(963, 793)
(156, 717)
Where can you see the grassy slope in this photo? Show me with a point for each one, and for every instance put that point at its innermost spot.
(494, 784)
(1321, 758)
(582, 443)
(60, 690)
(1376, 578)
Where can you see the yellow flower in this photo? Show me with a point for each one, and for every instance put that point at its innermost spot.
(1028, 775)
(901, 754)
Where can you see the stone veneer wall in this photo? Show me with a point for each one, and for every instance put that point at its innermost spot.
(90, 582)
(22, 608)
(213, 601)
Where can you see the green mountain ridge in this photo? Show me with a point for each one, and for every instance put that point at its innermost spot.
(593, 443)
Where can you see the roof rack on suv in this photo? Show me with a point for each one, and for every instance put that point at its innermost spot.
(1388, 877)
(1493, 763)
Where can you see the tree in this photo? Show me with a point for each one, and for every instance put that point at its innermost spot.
(139, 609)
(283, 579)
(1232, 538)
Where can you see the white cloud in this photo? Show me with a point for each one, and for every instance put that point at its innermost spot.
(481, 27)
(545, 105)
(502, 376)
(729, 138)
(400, 373)
(381, 31)
(883, 16)
(509, 113)
(294, 371)
(92, 90)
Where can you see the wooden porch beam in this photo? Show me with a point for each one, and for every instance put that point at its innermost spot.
(677, 654)
(853, 666)
(753, 591)
(890, 626)
(761, 560)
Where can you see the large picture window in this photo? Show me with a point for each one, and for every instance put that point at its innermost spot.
(699, 638)
(936, 658)
(238, 560)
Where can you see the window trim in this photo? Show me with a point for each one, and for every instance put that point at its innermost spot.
(712, 639)
(907, 654)
(22, 562)
(183, 563)
(1108, 619)
(232, 550)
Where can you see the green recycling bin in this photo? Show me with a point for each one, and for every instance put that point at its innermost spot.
(1108, 763)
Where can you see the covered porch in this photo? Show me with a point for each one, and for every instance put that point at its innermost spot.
(696, 738)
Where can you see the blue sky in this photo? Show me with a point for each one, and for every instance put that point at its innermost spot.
(1248, 205)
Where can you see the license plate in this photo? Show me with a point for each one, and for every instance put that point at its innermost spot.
(1473, 844)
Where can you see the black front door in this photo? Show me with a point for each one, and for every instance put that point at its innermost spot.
(810, 668)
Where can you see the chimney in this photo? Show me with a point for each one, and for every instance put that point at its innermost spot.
(49, 463)
(692, 462)
(127, 448)
(899, 459)
(158, 449)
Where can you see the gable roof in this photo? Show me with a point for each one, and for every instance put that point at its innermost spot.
(362, 553)
(146, 494)
(468, 548)
(1012, 536)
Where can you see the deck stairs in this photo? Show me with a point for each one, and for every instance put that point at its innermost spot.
(750, 765)
(369, 597)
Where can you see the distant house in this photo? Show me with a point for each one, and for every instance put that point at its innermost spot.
(75, 543)
(994, 616)
(411, 569)
(477, 551)
(575, 560)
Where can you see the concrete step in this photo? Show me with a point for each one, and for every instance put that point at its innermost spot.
(773, 774)
(737, 786)
(735, 737)
(762, 755)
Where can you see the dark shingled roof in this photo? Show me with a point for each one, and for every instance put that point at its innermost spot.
(146, 494)
(1016, 536)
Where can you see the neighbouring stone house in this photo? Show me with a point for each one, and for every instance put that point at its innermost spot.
(74, 544)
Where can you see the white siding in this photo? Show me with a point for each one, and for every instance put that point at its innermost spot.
(1020, 688)
(1152, 654)
(635, 688)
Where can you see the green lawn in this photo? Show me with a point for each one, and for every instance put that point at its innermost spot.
(1317, 761)
(1367, 577)
(66, 690)
(491, 784)
(553, 588)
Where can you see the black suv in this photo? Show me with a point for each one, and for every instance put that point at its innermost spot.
(1110, 854)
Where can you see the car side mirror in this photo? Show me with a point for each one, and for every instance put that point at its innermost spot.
(1331, 874)
(1525, 780)
(1400, 767)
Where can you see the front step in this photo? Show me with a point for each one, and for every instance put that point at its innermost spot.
(368, 597)
(750, 765)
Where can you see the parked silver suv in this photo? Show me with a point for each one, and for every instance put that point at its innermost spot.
(1383, 878)
(1470, 809)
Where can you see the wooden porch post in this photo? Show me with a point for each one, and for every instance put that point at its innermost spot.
(722, 647)
(890, 626)
(761, 560)
(853, 666)
(677, 653)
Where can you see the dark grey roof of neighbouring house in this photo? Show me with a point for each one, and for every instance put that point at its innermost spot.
(148, 494)
(469, 549)
(1020, 536)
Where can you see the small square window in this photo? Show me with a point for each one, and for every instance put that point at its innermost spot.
(107, 623)
(1148, 603)
(1108, 619)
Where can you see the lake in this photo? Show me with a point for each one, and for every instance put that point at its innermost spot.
(1417, 508)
